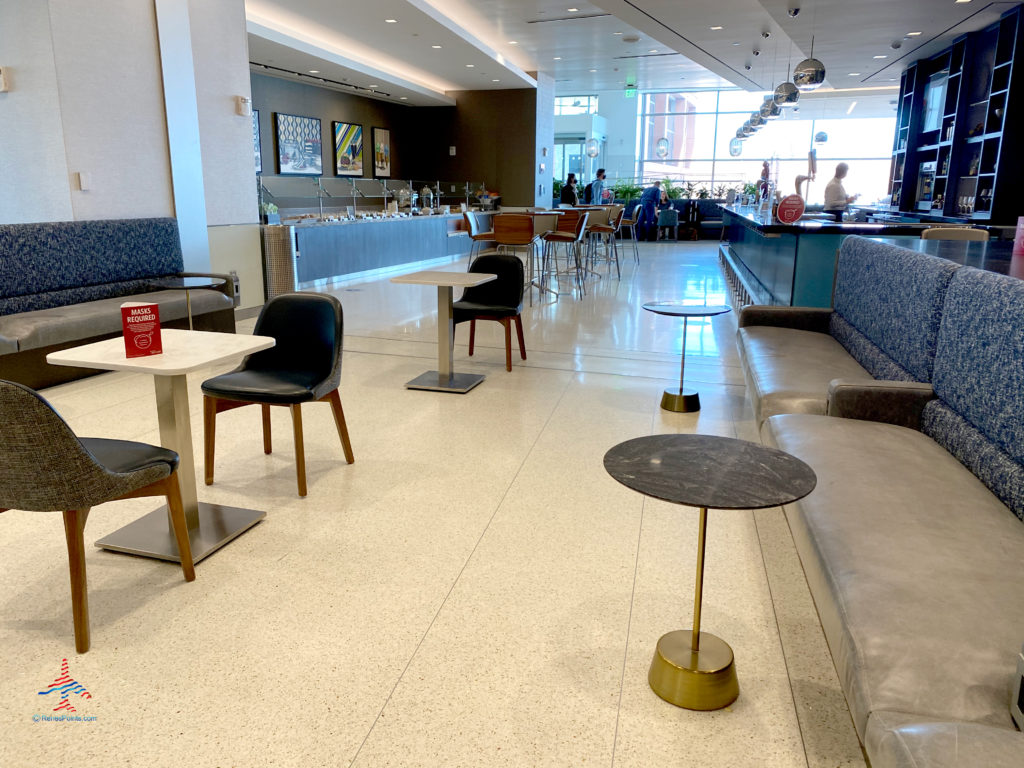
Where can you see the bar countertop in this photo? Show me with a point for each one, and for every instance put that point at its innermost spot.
(991, 255)
(750, 217)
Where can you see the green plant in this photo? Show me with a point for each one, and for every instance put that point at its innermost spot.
(556, 187)
(626, 190)
(269, 208)
(703, 193)
(673, 192)
(750, 188)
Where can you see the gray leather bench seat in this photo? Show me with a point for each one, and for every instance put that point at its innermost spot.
(57, 325)
(921, 564)
(887, 307)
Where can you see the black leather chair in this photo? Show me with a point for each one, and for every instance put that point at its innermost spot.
(304, 366)
(44, 467)
(500, 300)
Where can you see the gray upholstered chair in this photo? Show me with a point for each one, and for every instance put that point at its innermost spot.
(44, 467)
(304, 366)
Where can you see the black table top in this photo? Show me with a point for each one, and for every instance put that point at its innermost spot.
(678, 309)
(185, 283)
(991, 255)
(709, 471)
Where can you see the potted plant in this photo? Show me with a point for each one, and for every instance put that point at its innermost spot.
(270, 214)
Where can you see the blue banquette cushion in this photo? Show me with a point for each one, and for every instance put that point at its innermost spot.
(888, 304)
(56, 263)
(978, 415)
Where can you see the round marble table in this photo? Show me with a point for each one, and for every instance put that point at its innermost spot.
(186, 284)
(683, 400)
(694, 669)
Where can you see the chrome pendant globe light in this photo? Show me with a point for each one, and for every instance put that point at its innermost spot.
(769, 109)
(593, 148)
(756, 121)
(809, 73)
(787, 95)
(661, 148)
(740, 134)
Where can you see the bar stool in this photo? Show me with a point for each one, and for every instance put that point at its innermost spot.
(571, 229)
(630, 224)
(513, 231)
(478, 237)
(607, 231)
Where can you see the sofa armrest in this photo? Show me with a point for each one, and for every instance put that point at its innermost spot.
(890, 402)
(799, 318)
(227, 287)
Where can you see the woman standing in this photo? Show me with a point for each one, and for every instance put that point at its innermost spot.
(570, 195)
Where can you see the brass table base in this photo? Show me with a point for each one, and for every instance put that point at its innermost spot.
(701, 680)
(684, 401)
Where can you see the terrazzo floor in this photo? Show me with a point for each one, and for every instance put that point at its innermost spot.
(474, 591)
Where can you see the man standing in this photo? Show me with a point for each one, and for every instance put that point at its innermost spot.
(647, 225)
(836, 199)
(597, 188)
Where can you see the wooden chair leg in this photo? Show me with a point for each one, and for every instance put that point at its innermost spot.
(300, 453)
(508, 342)
(74, 524)
(180, 527)
(339, 419)
(266, 428)
(472, 335)
(519, 333)
(209, 436)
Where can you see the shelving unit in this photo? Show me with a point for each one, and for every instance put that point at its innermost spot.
(949, 158)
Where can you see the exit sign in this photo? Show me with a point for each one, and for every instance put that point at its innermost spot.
(631, 93)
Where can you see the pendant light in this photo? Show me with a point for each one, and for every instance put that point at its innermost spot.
(787, 94)
(769, 109)
(809, 73)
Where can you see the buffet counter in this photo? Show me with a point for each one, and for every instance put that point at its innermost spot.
(336, 249)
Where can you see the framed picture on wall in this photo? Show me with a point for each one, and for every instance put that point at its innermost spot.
(299, 146)
(256, 140)
(382, 153)
(348, 149)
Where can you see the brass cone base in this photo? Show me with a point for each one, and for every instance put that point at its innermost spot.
(704, 680)
(686, 401)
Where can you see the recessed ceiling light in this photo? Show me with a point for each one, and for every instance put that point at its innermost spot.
(593, 70)
(495, 80)
(854, 74)
(735, 43)
(403, 98)
(962, 1)
(390, 21)
(373, 86)
(513, 42)
(852, 105)
(715, 29)
(880, 56)
(314, 71)
(435, 46)
(913, 34)
(557, 58)
(616, 33)
(572, 10)
(471, 65)
(653, 50)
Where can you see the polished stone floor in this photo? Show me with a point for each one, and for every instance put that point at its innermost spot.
(474, 591)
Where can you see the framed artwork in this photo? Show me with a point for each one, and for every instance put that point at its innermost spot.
(382, 153)
(256, 140)
(348, 149)
(299, 146)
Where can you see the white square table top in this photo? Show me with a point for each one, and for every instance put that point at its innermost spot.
(183, 351)
(454, 279)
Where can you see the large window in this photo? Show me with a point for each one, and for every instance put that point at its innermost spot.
(685, 136)
(575, 105)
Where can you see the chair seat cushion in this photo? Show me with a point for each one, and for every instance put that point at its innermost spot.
(271, 387)
(560, 237)
(483, 236)
(467, 310)
(127, 456)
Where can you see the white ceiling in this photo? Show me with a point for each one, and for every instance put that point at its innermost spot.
(656, 44)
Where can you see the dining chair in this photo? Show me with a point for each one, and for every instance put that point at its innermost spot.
(514, 231)
(500, 300)
(608, 233)
(955, 233)
(475, 234)
(304, 366)
(47, 468)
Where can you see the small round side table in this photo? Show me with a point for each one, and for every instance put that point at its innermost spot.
(694, 669)
(683, 400)
(186, 284)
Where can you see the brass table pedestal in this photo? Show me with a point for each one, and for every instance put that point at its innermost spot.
(704, 679)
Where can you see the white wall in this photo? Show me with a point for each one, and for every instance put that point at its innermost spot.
(34, 183)
(111, 106)
(220, 53)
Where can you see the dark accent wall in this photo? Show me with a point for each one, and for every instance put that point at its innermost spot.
(494, 133)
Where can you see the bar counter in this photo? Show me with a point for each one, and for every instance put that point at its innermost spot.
(794, 264)
(332, 249)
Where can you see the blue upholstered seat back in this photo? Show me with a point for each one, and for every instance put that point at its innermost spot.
(58, 263)
(979, 381)
(888, 303)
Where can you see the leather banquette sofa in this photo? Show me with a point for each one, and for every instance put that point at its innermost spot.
(907, 399)
(62, 284)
